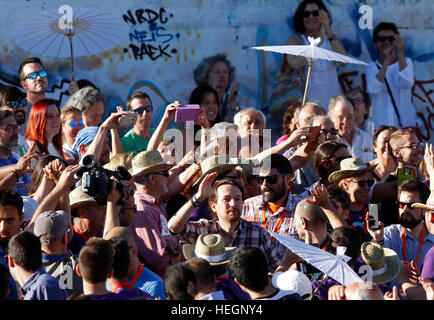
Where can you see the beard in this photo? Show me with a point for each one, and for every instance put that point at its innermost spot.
(20, 117)
(407, 220)
(273, 195)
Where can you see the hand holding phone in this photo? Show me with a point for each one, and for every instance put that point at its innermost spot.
(373, 216)
(314, 132)
(188, 112)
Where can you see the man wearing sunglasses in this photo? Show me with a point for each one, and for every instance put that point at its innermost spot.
(390, 79)
(33, 78)
(137, 139)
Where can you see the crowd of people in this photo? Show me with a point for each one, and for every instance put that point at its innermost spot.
(154, 214)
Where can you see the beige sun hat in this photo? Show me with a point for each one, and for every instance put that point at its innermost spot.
(249, 166)
(216, 163)
(78, 198)
(209, 247)
(147, 162)
(384, 262)
(350, 167)
(423, 206)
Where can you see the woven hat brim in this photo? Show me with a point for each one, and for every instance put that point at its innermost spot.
(423, 206)
(188, 251)
(337, 176)
(147, 170)
(219, 169)
(82, 203)
(393, 267)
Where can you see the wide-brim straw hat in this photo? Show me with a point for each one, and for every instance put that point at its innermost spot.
(350, 167)
(384, 262)
(423, 206)
(219, 163)
(147, 162)
(249, 166)
(78, 198)
(210, 247)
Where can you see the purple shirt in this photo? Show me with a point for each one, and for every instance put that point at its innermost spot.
(231, 290)
(133, 293)
(108, 296)
(201, 212)
(428, 265)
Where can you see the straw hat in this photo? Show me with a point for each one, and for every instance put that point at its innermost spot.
(78, 198)
(384, 262)
(210, 247)
(293, 280)
(423, 206)
(147, 162)
(250, 166)
(350, 167)
(216, 163)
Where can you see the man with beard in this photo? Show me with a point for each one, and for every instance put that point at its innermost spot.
(410, 238)
(33, 78)
(155, 244)
(9, 130)
(14, 100)
(274, 208)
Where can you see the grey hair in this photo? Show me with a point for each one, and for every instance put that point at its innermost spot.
(314, 103)
(337, 98)
(201, 72)
(239, 115)
(85, 97)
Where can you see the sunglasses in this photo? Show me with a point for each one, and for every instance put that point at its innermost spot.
(17, 103)
(162, 173)
(12, 127)
(403, 204)
(332, 131)
(147, 109)
(339, 159)
(73, 124)
(383, 39)
(34, 75)
(362, 183)
(270, 179)
(306, 13)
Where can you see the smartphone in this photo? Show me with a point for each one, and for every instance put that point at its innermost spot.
(373, 215)
(404, 174)
(127, 120)
(314, 131)
(188, 112)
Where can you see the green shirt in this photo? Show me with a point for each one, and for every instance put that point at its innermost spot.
(131, 142)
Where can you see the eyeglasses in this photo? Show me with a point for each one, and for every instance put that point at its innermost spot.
(34, 75)
(339, 159)
(403, 204)
(357, 101)
(270, 179)
(306, 13)
(12, 127)
(332, 131)
(383, 39)
(362, 183)
(73, 124)
(162, 173)
(414, 146)
(149, 108)
(17, 103)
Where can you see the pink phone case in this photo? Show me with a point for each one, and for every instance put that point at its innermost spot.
(188, 112)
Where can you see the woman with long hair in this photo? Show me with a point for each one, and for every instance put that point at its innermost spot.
(44, 128)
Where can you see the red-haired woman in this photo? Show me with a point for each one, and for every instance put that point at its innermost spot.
(44, 128)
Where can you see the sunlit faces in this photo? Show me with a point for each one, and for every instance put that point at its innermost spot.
(38, 85)
(210, 106)
(328, 131)
(144, 119)
(9, 130)
(74, 118)
(409, 150)
(409, 217)
(380, 145)
(312, 22)
(10, 222)
(387, 35)
(52, 124)
(360, 108)
(218, 76)
(334, 164)
(357, 193)
(249, 121)
(93, 115)
(228, 204)
(342, 115)
(274, 186)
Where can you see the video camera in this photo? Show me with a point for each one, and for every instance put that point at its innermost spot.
(96, 182)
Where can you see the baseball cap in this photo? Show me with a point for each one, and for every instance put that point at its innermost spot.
(52, 224)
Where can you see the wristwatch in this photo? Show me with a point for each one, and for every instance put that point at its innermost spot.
(195, 202)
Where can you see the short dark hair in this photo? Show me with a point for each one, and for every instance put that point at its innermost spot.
(278, 162)
(202, 270)
(137, 95)
(121, 258)
(297, 19)
(325, 151)
(222, 182)
(384, 26)
(349, 238)
(412, 186)
(379, 130)
(25, 249)
(249, 266)
(27, 61)
(96, 260)
(11, 198)
(10, 93)
(337, 193)
(180, 282)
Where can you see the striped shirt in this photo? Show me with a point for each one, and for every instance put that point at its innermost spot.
(247, 234)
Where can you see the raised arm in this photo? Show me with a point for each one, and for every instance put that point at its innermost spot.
(158, 134)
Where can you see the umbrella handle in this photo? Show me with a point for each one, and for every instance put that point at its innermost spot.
(325, 277)
(72, 57)
(307, 81)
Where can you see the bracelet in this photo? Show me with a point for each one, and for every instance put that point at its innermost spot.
(16, 174)
(194, 201)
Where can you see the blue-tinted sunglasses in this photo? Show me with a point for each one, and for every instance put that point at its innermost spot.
(17, 103)
(34, 75)
(74, 123)
(149, 108)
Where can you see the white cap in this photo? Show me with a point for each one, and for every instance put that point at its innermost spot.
(293, 280)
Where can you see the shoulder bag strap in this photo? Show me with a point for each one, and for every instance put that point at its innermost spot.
(391, 97)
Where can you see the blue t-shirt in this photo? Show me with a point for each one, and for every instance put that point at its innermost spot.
(11, 284)
(43, 286)
(20, 187)
(150, 283)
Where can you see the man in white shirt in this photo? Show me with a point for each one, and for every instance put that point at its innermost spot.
(358, 142)
(395, 71)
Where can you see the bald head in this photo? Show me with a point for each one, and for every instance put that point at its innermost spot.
(121, 233)
(312, 213)
(363, 291)
(306, 114)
